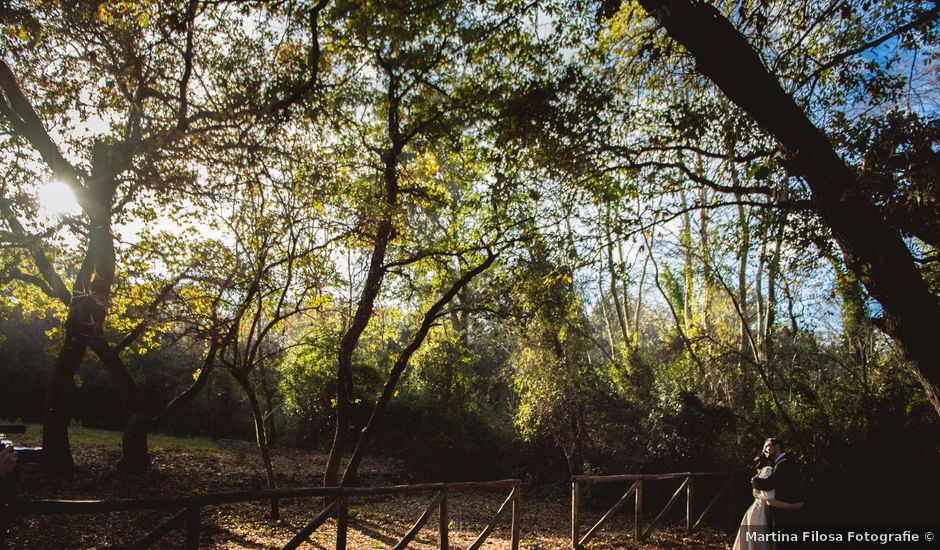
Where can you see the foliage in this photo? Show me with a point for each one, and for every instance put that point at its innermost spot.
(307, 384)
(665, 294)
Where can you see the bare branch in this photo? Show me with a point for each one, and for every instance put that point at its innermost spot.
(923, 18)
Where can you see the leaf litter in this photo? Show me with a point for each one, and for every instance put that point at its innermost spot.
(374, 522)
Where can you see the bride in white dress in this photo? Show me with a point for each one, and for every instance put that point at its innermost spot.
(757, 518)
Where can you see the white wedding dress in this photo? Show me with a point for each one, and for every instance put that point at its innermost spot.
(756, 520)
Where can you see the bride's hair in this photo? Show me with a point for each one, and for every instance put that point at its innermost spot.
(760, 461)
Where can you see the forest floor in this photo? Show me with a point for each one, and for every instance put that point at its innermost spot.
(182, 467)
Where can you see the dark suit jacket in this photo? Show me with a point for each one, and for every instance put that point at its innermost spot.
(785, 480)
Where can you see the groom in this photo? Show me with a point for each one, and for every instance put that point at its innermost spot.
(785, 480)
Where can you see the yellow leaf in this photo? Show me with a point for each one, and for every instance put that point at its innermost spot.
(77, 380)
(105, 15)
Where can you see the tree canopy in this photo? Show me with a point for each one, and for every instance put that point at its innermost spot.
(628, 235)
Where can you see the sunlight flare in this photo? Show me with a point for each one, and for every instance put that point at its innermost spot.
(56, 199)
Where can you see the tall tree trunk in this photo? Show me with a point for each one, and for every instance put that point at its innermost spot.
(371, 287)
(602, 298)
(210, 412)
(401, 362)
(872, 249)
(770, 319)
(134, 455)
(759, 294)
(614, 293)
(348, 344)
(706, 264)
(268, 403)
(625, 285)
(638, 310)
(685, 239)
(57, 454)
(90, 300)
(261, 437)
(744, 388)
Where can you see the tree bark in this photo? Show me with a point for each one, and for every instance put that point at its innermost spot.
(261, 437)
(268, 405)
(57, 453)
(401, 362)
(602, 298)
(759, 304)
(134, 455)
(88, 307)
(371, 288)
(872, 249)
(770, 319)
(685, 239)
(637, 311)
(705, 247)
(614, 293)
(744, 392)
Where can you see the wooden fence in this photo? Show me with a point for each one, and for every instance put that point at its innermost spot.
(636, 490)
(189, 509)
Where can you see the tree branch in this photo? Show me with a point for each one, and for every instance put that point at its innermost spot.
(19, 111)
(56, 287)
(921, 19)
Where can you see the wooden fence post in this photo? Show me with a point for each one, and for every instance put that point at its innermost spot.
(516, 511)
(342, 522)
(638, 512)
(575, 504)
(444, 522)
(689, 493)
(192, 529)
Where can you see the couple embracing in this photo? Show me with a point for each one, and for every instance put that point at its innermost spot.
(777, 499)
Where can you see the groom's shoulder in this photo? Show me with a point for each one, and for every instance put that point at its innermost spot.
(788, 463)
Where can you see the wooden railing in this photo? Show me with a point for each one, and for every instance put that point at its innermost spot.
(188, 516)
(636, 490)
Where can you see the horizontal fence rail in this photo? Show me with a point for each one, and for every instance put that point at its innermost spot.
(189, 509)
(636, 491)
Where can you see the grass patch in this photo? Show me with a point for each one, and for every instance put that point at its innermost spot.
(111, 440)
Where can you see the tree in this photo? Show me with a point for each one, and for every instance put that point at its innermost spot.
(552, 369)
(418, 104)
(147, 78)
(814, 51)
(279, 266)
(872, 248)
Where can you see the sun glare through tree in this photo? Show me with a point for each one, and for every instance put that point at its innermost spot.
(56, 199)
(575, 249)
